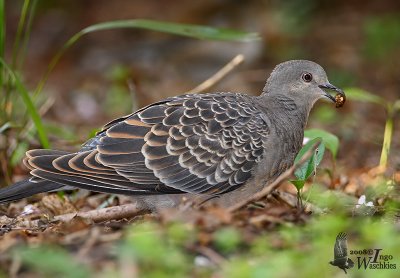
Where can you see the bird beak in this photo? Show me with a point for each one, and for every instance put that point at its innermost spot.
(340, 97)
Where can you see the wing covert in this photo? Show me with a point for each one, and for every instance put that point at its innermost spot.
(197, 144)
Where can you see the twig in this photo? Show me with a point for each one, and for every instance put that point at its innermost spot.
(275, 184)
(237, 60)
(104, 214)
(97, 215)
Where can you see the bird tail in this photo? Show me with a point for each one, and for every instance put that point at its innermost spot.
(25, 189)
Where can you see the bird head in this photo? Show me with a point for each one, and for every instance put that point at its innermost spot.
(303, 81)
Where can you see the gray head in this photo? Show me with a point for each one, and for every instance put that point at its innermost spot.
(303, 81)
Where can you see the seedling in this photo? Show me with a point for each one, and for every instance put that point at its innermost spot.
(324, 140)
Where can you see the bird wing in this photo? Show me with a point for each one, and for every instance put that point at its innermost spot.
(192, 143)
(340, 249)
(196, 144)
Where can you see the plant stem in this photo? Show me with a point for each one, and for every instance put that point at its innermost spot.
(27, 33)
(15, 52)
(387, 138)
(299, 201)
(30, 106)
(20, 30)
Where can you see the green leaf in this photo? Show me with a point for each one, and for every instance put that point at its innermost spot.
(305, 148)
(358, 94)
(299, 184)
(330, 140)
(188, 30)
(319, 154)
(308, 167)
(29, 106)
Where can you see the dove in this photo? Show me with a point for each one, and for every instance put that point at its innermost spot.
(210, 144)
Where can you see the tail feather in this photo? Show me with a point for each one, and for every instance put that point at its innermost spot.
(26, 188)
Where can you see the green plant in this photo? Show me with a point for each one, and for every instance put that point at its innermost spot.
(309, 167)
(391, 109)
(12, 118)
(331, 141)
(322, 139)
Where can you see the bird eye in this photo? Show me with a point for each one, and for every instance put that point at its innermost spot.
(307, 77)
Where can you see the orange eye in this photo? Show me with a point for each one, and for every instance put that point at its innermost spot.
(307, 77)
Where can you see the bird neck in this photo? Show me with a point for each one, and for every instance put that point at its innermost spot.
(286, 121)
(287, 117)
(285, 111)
